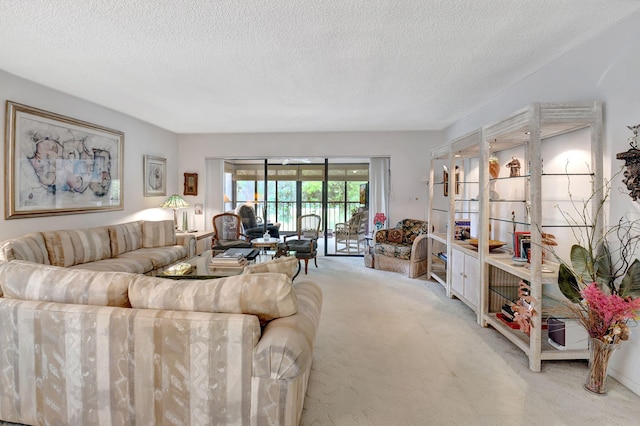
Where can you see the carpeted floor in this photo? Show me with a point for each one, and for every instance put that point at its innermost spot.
(396, 351)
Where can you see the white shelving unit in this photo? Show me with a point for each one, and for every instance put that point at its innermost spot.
(559, 146)
(438, 216)
(453, 262)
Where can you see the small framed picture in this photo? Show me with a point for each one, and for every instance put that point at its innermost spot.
(155, 176)
(197, 208)
(190, 184)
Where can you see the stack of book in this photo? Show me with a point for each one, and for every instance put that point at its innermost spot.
(228, 260)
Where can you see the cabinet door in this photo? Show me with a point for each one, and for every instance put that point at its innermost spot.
(457, 271)
(472, 280)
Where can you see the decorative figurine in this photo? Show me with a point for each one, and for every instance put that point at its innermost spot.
(514, 165)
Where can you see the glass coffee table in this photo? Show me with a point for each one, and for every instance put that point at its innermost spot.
(199, 267)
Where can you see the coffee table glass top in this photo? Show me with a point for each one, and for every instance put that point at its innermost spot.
(199, 267)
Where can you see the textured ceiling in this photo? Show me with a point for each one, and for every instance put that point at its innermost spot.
(293, 65)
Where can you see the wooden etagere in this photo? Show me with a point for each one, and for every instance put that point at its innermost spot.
(559, 147)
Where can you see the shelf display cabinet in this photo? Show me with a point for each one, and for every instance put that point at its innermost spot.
(454, 217)
(550, 157)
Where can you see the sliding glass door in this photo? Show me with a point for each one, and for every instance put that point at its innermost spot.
(333, 189)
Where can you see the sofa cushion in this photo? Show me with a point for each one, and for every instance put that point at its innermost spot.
(287, 265)
(158, 233)
(133, 265)
(30, 281)
(71, 247)
(29, 247)
(266, 295)
(125, 237)
(158, 256)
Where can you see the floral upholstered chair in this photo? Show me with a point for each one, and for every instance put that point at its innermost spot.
(403, 248)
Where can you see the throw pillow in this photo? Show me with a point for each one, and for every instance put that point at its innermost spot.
(267, 295)
(395, 236)
(287, 265)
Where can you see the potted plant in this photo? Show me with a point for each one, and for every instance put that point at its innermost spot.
(602, 282)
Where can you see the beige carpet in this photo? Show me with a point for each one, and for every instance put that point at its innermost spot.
(396, 351)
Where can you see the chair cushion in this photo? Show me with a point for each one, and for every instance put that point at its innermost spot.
(300, 246)
(226, 244)
(398, 251)
(395, 236)
(412, 228)
(266, 295)
(158, 233)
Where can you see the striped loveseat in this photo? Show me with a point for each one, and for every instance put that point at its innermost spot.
(81, 347)
(143, 247)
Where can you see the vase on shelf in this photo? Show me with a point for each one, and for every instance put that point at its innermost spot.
(599, 354)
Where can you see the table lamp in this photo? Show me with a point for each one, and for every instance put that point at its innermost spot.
(175, 202)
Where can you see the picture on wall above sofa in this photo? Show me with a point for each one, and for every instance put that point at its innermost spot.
(60, 165)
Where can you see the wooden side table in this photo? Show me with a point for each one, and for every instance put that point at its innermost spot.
(204, 240)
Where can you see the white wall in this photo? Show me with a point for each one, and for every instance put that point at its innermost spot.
(603, 69)
(408, 152)
(139, 139)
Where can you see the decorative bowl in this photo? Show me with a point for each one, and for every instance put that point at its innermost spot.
(493, 244)
(178, 269)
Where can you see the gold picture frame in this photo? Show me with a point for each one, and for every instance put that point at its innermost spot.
(190, 184)
(58, 165)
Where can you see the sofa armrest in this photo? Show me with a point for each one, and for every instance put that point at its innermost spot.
(189, 241)
(419, 248)
(285, 350)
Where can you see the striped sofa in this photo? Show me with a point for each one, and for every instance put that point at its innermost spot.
(143, 247)
(82, 347)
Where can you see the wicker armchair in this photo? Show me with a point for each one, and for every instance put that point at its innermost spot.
(403, 248)
(351, 234)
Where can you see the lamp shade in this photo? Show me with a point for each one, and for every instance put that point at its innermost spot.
(175, 202)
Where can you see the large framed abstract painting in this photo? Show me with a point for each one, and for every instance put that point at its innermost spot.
(58, 165)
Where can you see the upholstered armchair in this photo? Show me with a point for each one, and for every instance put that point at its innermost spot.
(351, 234)
(250, 225)
(227, 233)
(403, 248)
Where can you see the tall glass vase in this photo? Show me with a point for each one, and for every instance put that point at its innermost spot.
(599, 354)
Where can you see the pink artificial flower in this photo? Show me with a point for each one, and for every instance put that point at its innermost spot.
(379, 218)
(607, 310)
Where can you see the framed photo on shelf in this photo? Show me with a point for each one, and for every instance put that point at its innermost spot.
(462, 229)
(155, 176)
(57, 165)
(518, 238)
(190, 184)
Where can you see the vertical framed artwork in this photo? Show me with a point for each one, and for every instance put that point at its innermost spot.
(155, 176)
(190, 184)
(58, 165)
